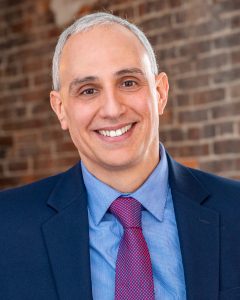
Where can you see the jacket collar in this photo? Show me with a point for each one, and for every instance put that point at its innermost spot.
(198, 228)
(66, 237)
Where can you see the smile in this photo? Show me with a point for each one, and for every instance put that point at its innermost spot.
(115, 133)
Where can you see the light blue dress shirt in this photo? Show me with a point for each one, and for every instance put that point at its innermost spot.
(159, 229)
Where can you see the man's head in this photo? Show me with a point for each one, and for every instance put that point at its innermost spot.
(110, 97)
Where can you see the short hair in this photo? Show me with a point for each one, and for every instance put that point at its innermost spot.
(89, 21)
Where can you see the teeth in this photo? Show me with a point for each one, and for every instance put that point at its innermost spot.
(114, 133)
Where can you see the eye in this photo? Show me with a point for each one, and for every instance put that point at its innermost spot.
(89, 91)
(129, 83)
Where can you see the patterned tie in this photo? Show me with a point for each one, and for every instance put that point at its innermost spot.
(134, 279)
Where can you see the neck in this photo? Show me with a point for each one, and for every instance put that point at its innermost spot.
(126, 180)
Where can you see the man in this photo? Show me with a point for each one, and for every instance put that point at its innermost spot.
(64, 237)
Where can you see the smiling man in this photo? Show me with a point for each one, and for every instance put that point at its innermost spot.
(127, 222)
(110, 101)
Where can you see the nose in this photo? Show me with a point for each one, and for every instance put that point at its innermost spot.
(112, 105)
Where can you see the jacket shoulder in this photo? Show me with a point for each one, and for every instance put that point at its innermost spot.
(216, 183)
(41, 186)
(37, 190)
(224, 195)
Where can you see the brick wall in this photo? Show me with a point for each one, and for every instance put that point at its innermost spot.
(197, 43)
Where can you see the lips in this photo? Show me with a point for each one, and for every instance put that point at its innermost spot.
(115, 133)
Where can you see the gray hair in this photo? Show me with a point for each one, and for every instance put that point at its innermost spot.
(88, 22)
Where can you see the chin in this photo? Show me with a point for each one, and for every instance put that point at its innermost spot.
(117, 164)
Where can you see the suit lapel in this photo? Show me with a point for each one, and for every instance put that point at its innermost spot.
(198, 229)
(66, 237)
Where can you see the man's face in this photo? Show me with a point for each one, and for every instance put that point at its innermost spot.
(109, 100)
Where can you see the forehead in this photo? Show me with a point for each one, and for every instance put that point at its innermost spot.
(103, 34)
(101, 47)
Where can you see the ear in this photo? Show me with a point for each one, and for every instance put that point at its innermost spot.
(58, 108)
(162, 87)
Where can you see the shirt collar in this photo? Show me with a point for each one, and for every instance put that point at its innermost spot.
(152, 194)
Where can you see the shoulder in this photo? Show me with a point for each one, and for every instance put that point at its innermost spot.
(33, 192)
(224, 194)
(29, 203)
(215, 192)
(183, 175)
(214, 182)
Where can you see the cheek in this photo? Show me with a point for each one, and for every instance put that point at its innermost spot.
(147, 106)
(78, 117)
(141, 101)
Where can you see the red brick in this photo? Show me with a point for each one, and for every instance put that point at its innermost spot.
(1, 171)
(174, 3)
(209, 27)
(173, 134)
(17, 84)
(25, 125)
(190, 48)
(12, 70)
(235, 57)
(211, 62)
(225, 128)
(167, 117)
(193, 82)
(3, 153)
(66, 147)
(191, 163)
(13, 14)
(227, 40)
(170, 36)
(227, 146)
(151, 6)
(43, 79)
(235, 91)
(41, 93)
(189, 150)
(7, 182)
(40, 108)
(43, 163)
(65, 162)
(158, 22)
(205, 97)
(17, 166)
(183, 100)
(193, 116)
(164, 54)
(226, 110)
(227, 76)
(29, 65)
(53, 134)
(127, 13)
(194, 133)
(235, 22)
(6, 141)
(195, 150)
(230, 6)
(180, 68)
(219, 166)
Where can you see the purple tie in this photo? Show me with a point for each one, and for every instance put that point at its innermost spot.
(134, 279)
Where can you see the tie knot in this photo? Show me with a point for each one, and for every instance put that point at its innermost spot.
(127, 210)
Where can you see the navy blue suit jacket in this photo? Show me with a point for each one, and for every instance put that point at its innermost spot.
(44, 243)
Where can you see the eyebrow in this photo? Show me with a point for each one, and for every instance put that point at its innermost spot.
(129, 71)
(77, 81)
